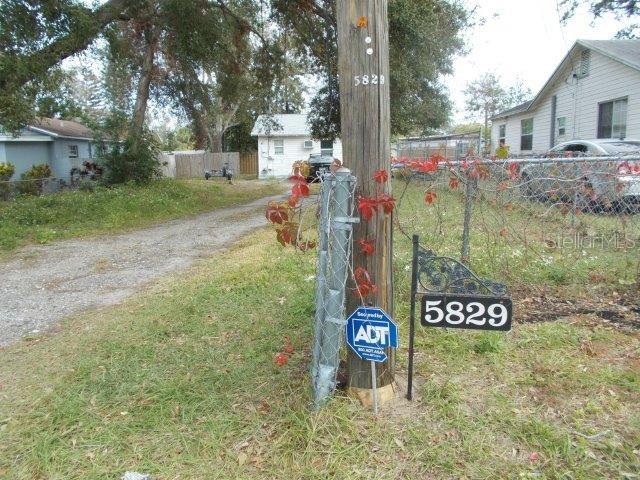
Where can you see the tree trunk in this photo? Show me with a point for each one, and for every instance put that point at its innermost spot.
(365, 110)
(142, 97)
(487, 142)
(215, 140)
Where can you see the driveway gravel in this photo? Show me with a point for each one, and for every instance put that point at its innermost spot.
(40, 285)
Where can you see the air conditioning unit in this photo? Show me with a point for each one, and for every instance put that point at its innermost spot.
(308, 144)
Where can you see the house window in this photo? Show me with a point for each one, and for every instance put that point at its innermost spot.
(612, 119)
(502, 135)
(562, 126)
(73, 151)
(526, 134)
(278, 147)
(326, 147)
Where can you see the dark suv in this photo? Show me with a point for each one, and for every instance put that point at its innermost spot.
(318, 165)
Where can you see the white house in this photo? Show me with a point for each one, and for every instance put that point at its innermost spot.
(284, 139)
(594, 93)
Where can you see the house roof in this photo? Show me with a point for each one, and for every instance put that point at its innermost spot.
(517, 109)
(61, 128)
(282, 125)
(626, 52)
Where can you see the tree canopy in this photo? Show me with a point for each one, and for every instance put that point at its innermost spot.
(424, 36)
(619, 8)
(221, 62)
(486, 96)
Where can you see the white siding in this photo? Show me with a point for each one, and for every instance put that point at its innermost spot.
(577, 100)
(272, 165)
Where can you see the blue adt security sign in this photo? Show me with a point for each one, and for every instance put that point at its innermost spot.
(369, 331)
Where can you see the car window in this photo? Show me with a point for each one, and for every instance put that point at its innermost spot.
(575, 147)
(621, 147)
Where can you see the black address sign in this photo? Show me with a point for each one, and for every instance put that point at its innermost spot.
(474, 312)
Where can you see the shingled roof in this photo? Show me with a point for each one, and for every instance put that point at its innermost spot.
(282, 125)
(61, 128)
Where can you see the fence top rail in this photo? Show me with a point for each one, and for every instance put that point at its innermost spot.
(453, 136)
(523, 161)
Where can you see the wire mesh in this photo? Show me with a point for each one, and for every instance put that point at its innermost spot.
(334, 257)
(561, 220)
(10, 189)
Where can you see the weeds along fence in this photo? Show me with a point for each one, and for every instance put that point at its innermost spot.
(545, 221)
(42, 186)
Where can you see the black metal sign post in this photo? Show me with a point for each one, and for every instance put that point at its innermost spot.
(453, 297)
(412, 314)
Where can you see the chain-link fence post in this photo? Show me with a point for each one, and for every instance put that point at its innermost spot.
(469, 195)
(321, 275)
(339, 225)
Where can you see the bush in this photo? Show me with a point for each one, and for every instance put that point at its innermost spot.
(32, 181)
(502, 152)
(134, 160)
(6, 172)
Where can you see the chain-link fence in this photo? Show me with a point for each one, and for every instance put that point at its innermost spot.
(335, 220)
(40, 181)
(451, 147)
(545, 221)
(35, 186)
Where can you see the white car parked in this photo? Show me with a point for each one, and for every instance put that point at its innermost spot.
(591, 183)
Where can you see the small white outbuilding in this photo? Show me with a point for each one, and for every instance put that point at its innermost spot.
(284, 139)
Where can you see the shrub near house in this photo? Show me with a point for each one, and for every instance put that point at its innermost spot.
(32, 181)
(6, 172)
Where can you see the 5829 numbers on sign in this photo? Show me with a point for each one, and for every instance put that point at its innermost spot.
(466, 311)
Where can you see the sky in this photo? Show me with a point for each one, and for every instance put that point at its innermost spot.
(520, 40)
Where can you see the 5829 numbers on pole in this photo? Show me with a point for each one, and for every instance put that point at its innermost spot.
(466, 311)
(364, 80)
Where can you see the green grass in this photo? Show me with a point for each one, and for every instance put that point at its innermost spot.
(69, 214)
(523, 242)
(180, 383)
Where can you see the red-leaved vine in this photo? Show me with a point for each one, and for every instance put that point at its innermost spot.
(381, 176)
(282, 214)
(380, 204)
(514, 171)
(364, 284)
(300, 186)
(367, 246)
(282, 357)
(430, 197)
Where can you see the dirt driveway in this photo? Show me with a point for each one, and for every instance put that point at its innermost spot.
(43, 284)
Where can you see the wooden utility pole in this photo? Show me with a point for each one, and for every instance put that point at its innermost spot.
(363, 70)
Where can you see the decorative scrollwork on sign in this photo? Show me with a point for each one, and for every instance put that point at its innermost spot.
(445, 275)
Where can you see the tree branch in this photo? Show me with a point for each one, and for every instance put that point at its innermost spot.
(243, 22)
(19, 70)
